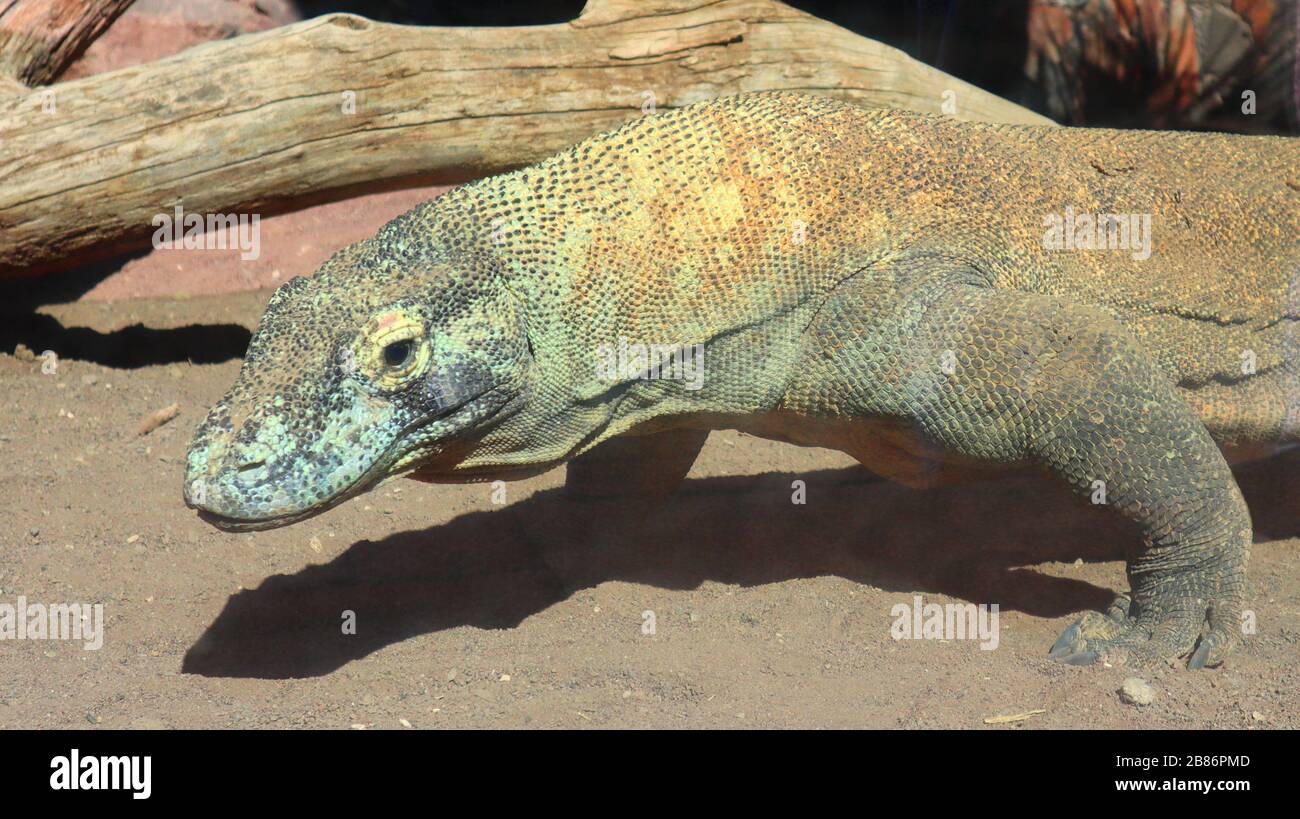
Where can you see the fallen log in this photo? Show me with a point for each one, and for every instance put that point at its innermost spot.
(39, 38)
(265, 122)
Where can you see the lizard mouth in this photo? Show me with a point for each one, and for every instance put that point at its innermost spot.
(233, 523)
(405, 459)
(226, 524)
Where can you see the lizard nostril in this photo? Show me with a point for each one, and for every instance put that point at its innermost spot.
(251, 464)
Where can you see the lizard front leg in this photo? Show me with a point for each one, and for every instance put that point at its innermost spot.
(611, 491)
(634, 468)
(1014, 378)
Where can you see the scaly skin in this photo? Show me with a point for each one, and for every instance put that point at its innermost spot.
(868, 280)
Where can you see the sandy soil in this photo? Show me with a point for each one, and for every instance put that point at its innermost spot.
(475, 614)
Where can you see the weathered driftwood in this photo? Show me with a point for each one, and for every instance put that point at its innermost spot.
(39, 38)
(267, 121)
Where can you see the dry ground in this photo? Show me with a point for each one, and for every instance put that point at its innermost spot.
(473, 614)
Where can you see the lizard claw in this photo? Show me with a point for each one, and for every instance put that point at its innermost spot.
(1217, 642)
(1071, 646)
(1200, 657)
(1067, 644)
(1086, 641)
(1148, 637)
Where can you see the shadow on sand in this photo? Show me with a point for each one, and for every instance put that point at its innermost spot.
(493, 569)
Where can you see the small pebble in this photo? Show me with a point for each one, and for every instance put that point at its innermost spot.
(1137, 691)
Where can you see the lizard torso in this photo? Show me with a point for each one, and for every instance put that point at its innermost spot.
(732, 223)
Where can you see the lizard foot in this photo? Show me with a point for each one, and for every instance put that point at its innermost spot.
(1123, 635)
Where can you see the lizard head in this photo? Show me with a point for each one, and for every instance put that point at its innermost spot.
(379, 364)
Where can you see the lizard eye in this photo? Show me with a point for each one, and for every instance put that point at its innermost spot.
(392, 350)
(399, 352)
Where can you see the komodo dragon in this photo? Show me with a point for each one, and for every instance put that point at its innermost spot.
(896, 286)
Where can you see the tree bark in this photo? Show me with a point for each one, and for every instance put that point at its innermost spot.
(39, 38)
(265, 122)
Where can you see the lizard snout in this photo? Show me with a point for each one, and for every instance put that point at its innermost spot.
(225, 478)
(271, 469)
